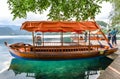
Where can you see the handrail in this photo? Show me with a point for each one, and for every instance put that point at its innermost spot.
(80, 48)
(55, 46)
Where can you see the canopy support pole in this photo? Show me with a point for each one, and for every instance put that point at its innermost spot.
(103, 35)
(62, 38)
(78, 38)
(33, 38)
(43, 37)
(89, 42)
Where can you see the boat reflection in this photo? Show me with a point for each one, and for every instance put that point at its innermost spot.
(70, 69)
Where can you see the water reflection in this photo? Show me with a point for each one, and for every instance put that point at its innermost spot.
(70, 69)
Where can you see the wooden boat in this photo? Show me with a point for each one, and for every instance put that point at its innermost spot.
(60, 50)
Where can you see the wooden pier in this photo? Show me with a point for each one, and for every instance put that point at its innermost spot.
(113, 70)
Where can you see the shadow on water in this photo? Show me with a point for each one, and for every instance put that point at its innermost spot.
(73, 69)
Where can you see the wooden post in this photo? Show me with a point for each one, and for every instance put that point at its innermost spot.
(33, 39)
(97, 40)
(62, 38)
(101, 32)
(89, 42)
(78, 38)
(43, 38)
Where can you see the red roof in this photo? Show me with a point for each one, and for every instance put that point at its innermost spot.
(59, 26)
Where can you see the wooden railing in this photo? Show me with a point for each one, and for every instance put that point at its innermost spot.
(80, 48)
(57, 44)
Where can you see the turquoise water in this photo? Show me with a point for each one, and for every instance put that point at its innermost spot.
(13, 68)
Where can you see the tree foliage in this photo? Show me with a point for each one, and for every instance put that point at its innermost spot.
(102, 23)
(115, 14)
(58, 9)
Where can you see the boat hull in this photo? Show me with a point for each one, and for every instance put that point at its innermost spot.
(60, 55)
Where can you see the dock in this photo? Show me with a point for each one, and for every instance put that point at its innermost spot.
(113, 70)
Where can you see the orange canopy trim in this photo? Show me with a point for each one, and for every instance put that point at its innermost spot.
(59, 26)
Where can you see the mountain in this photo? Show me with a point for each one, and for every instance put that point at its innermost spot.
(6, 31)
(12, 30)
(14, 27)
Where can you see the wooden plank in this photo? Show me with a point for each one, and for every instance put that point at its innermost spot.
(112, 71)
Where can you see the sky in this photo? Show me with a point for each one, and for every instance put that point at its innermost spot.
(6, 16)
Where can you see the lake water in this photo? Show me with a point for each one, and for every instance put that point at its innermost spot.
(13, 68)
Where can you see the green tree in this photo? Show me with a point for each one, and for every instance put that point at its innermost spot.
(115, 14)
(102, 23)
(58, 9)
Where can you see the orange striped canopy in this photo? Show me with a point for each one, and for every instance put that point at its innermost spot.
(59, 26)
